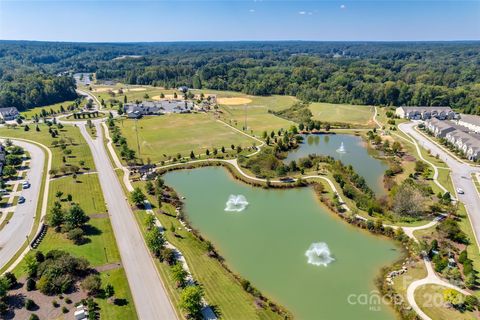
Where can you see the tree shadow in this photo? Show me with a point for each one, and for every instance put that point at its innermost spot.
(91, 230)
(120, 302)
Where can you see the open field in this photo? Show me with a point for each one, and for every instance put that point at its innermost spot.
(80, 150)
(55, 107)
(180, 133)
(356, 115)
(255, 113)
(430, 299)
(132, 92)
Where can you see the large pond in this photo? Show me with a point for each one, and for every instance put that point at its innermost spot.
(267, 240)
(354, 153)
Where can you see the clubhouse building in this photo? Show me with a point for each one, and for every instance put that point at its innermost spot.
(135, 111)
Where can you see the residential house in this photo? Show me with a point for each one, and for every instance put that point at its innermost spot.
(469, 121)
(424, 113)
(440, 128)
(7, 114)
(468, 143)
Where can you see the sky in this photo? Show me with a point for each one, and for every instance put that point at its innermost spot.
(229, 20)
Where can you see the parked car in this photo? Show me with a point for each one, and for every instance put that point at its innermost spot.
(26, 185)
(3, 191)
(460, 191)
(21, 200)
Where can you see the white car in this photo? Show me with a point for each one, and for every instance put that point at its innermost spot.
(460, 191)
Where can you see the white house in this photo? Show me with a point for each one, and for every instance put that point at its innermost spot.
(8, 113)
(469, 121)
(424, 113)
(439, 128)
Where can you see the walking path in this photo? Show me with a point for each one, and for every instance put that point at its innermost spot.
(432, 277)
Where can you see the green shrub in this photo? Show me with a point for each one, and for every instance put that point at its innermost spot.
(30, 304)
(31, 284)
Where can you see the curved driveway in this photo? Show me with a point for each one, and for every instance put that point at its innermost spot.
(15, 233)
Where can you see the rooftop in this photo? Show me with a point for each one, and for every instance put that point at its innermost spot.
(469, 118)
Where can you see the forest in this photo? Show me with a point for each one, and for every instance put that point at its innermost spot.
(369, 73)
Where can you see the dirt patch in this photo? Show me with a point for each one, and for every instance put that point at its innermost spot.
(98, 215)
(167, 96)
(233, 101)
(110, 266)
(102, 89)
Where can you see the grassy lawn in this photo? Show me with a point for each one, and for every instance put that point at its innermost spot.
(37, 110)
(444, 179)
(85, 190)
(256, 114)
(117, 279)
(354, 114)
(7, 219)
(101, 247)
(180, 133)
(430, 299)
(132, 92)
(101, 115)
(80, 149)
(401, 282)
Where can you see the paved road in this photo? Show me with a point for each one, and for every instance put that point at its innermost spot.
(461, 175)
(14, 234)
(149, 294)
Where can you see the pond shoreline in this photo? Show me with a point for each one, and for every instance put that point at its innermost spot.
(379, 280)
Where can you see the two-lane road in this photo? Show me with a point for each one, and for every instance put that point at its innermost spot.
(14, 234)
(461, 175)
(151, 299)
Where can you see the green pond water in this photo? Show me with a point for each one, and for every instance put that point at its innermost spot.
(355, 154)
(267, 241)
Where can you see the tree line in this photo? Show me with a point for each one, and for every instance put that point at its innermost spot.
(407, 73)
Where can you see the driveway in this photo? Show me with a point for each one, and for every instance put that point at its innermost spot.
(14, 234)
(461, 175)
(150, 296)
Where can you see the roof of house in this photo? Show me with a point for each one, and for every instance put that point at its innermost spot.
(470, 139)
(444, 125)
(168, 106)
(9, 110)
(471, 119)
(425, 108)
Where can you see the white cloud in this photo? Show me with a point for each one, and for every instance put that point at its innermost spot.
(302, 12)
(251, 10)
(343, 6)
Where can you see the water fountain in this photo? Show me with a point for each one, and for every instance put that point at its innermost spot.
(319, 254)
(236, 203)
(342, 148)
